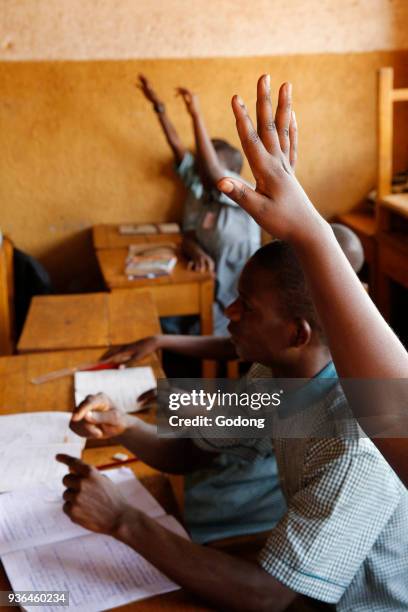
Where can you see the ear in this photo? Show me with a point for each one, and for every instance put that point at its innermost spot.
(302, 333)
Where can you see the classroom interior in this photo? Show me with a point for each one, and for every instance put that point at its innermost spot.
(86, 173)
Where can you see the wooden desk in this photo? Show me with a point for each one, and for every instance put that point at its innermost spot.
(183, 292)
(18, 394)
(109, 237)
(61, 322)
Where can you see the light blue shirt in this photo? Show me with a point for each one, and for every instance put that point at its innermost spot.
(231, 240)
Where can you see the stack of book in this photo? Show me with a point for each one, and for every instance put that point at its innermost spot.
(150, 260)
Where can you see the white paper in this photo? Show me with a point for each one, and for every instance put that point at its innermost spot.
(28, 445)
(122, 386)
(23, 467)
(98, 571)
(34, 516)
(36, 428)
(169, 228)
(147, 228)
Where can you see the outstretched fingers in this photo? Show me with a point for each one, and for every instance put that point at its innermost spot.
(293, 137)
(264, 114)
(283, 117)
(254, 149)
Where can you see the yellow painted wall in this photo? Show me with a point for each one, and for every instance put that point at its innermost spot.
(79, 145)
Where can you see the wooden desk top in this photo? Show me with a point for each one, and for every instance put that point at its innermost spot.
(397, 202)
(61, 322)
(112, 265)
(109, 237)
(18, 394)
(158, 484)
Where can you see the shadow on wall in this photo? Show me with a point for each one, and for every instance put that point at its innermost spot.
(72, 264)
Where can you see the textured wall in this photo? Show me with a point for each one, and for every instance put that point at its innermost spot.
(112, 29)
(81, 146)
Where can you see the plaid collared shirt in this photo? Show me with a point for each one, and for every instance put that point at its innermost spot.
(344, 537)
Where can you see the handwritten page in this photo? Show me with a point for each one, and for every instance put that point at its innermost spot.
(98, 571)
(122, 386)
(28, 445)
(34, 516)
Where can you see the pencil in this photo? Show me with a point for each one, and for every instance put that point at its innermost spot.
(105, 466)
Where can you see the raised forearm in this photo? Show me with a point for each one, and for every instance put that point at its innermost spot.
(356, 331)
(205, 150)
(171, 455)
(227, 582)
(172, 137)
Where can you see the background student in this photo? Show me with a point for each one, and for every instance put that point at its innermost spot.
(217, 234)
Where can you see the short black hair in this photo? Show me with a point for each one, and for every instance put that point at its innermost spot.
(279, 259)
(233, 157)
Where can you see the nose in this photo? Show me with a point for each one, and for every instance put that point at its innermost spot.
(233, 311)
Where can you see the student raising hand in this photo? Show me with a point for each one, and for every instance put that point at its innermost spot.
(360, 341)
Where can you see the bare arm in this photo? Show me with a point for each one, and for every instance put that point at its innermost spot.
(206, 153)
(361, 342)
(227, 582)
(202, 347)
(168, 128)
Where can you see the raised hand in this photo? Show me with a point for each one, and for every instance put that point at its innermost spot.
(190, 99)
(148, 91)
(279, 204)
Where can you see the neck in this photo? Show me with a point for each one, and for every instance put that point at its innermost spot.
(307, 366)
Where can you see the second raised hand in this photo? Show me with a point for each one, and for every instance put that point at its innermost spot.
(279, 204)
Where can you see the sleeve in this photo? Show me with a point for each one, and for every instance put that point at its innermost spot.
(187, 172)
(332, 522)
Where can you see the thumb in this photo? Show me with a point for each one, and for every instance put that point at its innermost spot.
(242, 194)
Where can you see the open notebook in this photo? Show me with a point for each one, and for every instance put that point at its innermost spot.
(123, 386)
(28, 445)
(42, 550)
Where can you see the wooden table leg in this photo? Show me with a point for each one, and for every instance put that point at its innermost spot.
(209, 368)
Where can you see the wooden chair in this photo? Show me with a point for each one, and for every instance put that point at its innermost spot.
(386, 201)
(391, 208)
(6, 297)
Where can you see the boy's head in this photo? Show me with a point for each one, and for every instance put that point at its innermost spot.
(230, 157)
(273, 321)
(350, 244)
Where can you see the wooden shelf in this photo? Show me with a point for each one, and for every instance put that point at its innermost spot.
(397, 202)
